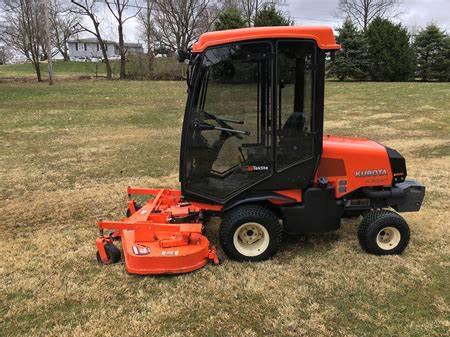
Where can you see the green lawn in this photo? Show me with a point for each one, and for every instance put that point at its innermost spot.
(69, 151)
(163, 68)
(60, 68)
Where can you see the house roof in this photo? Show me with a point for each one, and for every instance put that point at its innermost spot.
(89, 40)
(323, 35)
(133, 45)
(94, 40)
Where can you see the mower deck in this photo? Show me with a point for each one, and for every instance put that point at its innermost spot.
(162, 237)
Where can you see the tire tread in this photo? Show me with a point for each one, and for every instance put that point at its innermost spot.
(237, 216)
(375, 220)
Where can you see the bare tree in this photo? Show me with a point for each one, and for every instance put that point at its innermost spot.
(147, 30)
(65, 24)
(250, 8)
(87, 8)
(5, 55)
(118, 8)
(178, 22)
(47, 39)
(23, 30)
(362, 12)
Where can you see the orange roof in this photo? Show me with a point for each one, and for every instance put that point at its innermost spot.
(323, 35)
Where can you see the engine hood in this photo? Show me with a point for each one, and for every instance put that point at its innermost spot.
(351, 163)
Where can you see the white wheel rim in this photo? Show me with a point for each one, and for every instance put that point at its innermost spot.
(388, 238)
(251, 239)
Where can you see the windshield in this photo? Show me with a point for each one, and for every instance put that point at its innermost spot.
(230, 132)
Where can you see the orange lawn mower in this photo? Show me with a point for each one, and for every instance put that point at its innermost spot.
(253, 153)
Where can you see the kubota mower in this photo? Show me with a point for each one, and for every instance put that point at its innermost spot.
(253, 153)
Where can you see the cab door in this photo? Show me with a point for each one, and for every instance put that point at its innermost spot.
(228, 145)
(295, 119)
(298, 114)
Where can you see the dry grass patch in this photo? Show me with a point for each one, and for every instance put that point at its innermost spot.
(67, 155)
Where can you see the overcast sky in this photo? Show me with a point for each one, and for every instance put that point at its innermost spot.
(414, 14)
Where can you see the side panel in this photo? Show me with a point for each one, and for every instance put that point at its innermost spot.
(319, 212)
(352, 163)
(273, 197)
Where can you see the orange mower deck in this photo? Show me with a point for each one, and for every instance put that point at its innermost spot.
(160, 237)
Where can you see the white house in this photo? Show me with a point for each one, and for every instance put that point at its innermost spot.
(90, 48)
(134, 48)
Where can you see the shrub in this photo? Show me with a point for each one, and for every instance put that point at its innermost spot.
(351, 62)
(390, 55)
(163, 68)
(433, 51)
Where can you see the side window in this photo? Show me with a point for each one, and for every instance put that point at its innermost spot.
(295, 102)
(236, 89)
(230, 144)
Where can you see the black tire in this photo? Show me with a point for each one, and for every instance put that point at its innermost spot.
(372, 226)
(241, 215)
(112, 252)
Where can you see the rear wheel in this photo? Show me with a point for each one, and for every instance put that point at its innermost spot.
(250, 233)
(383, 232)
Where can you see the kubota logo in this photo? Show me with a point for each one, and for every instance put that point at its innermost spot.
(371, 173)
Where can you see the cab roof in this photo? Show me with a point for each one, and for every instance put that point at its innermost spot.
(323, 35)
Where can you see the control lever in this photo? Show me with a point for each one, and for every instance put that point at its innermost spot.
(205, 126)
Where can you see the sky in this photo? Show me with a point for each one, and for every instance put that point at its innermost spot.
(414, 14)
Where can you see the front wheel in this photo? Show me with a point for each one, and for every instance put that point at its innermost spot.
(250, 233)
(383, 232)
(112, 252)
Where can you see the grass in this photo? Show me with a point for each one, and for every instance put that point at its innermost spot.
(69, 151)
(60, 68)
(163, 68)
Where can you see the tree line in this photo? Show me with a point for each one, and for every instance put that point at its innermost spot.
(165, 25)
(374, 47)
(386, 51)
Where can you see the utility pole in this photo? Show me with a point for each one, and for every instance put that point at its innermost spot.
(46, 11)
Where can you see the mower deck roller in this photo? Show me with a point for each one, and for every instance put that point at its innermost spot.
(154, 241)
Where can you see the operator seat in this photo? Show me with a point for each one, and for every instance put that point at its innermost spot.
(294, 143)
(293, 127)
